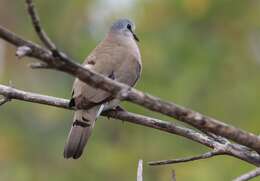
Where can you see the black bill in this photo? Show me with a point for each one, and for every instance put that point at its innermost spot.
(135, 37)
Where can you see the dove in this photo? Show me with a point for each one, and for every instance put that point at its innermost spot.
(118, 57)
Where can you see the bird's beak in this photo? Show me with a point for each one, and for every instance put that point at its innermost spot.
(135, 37)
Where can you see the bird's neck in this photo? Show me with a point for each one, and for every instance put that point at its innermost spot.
(120, 39)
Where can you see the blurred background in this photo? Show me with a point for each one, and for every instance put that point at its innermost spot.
(203, 54)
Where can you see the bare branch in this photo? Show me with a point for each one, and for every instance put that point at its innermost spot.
(96, 80)
(181, 160)
(13, 93)
(250, 175)
(140, 171)
(37, 26)
(234, 150)
(23, 51)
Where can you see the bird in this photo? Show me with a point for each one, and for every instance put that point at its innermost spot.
(117, 57)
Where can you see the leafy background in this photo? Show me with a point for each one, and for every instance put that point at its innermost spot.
(203, 54)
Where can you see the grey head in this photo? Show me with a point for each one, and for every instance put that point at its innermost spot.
(125, 27)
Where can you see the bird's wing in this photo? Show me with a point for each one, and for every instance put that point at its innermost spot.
(84, 94)
(129, 70)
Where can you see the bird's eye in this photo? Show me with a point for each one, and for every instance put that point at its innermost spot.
(129, 27)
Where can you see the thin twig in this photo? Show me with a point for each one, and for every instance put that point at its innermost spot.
(37, 26)
(140, 170)
(230, 149)
(182, 160)
(249, 175)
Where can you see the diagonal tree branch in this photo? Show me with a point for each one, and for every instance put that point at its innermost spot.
(248, 176)
(38, 29)
(226, 147)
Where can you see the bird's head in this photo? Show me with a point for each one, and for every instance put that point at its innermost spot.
(125, 27)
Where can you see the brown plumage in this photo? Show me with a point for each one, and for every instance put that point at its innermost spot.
(116, 57)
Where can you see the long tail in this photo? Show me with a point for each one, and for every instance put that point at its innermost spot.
(83, 123)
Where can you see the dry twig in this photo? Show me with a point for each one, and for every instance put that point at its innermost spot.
(140, 170)
(38, 29)
(250, 175)
(193, 158)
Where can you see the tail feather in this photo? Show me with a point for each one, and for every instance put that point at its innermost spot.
(83, 123)
(76, 142)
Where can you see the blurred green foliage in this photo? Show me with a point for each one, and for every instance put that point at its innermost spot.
(203, 54)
